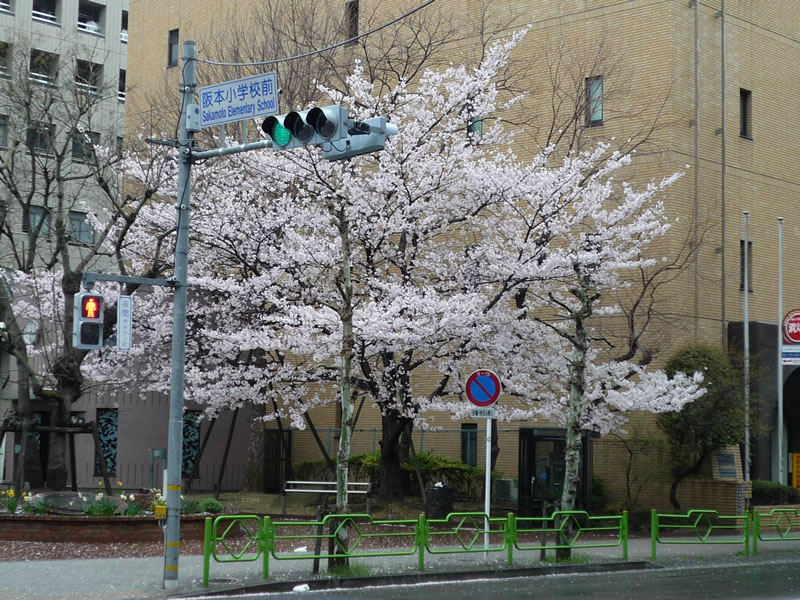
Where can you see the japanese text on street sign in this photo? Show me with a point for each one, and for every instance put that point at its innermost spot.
(124, 322)
(483, 413)
(240, 99)
(483, 388)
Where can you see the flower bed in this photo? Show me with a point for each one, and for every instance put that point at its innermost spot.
(95, 530)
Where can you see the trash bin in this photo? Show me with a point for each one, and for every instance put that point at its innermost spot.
(440, 502)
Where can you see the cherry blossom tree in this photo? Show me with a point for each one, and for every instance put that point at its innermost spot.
(313, 279)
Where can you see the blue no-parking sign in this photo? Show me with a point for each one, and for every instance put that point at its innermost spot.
(483, 388)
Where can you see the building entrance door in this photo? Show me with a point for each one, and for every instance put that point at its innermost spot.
(541, 470)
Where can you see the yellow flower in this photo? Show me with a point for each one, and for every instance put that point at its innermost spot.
(119, 483)
(11, 493)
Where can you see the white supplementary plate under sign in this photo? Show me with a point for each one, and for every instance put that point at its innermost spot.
(790, 354)
(240, 99)
(483, 413)
(124, 322)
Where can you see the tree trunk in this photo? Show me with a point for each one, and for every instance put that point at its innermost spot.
(392, 477)
(57, 470)
(574, 442)
(256, 451)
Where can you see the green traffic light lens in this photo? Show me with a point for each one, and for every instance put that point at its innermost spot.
(281, 135)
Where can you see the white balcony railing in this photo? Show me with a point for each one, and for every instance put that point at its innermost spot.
(44, 16)
(90, 27)
(5, 6)
(41, 78)
(123, 36)
(87, 88)
(121, 96)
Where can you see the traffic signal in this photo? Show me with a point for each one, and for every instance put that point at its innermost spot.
(87, 323)
(365, 137)
(307, 127)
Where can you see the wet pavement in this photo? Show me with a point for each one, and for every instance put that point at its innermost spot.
(140, 578)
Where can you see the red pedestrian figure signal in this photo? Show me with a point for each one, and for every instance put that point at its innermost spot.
(87, 327)
(91, 307)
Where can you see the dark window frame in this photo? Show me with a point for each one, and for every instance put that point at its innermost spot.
(351, 10)
(594, 102)
(173, 42)
(39, 138)
(81, 233)
(469, 444)
(745, 114)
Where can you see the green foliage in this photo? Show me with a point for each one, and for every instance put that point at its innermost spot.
(771, 492)
(100, 507)
(467, 481)
(133, 510)
(598, 493)
(714, 420)
(37, 508)
(464, 479)
(190, 506)
(211, 505)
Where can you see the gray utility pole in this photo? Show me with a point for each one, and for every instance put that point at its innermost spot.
(186, 156)
(175, 439)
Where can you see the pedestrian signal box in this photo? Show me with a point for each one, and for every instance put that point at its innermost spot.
(87, 327)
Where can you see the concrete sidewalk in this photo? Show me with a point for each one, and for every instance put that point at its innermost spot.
(140, 578)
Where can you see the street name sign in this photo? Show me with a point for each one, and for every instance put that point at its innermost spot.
(240, 99)
(124, 322)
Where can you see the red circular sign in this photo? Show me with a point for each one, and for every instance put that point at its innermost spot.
(791, 327)
(483, 388)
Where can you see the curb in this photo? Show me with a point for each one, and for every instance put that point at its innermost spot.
(416, 578)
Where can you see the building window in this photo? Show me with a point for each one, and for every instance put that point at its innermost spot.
(123, 34)
(749, 266)
(191, 441)
(45, 10)
(594, 100)
(80, 231)
(469, 444)
(746, 113)
(351, 18)
(43, 67)
(39, 138)
(107, 428)
(475, 128)
(120, 145)
(83, 145)
(90, 17)
(3, 131)
(172, 48)
(5, 6)
(88, 76)
(5, 59)
(38, 220)
(121, 90)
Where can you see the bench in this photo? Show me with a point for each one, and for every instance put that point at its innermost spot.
(324, 488)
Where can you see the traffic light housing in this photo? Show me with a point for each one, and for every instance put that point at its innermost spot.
(87, 323)
(306, 128)
(365, 137)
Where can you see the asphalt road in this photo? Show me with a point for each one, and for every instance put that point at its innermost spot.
(780, 580)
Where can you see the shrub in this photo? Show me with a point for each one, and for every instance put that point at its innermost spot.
(100, 507)
(211, 505)
(190, 506)
(771, 492)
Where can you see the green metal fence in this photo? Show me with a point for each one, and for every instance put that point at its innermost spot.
(703, 527)
(571, 529)
(778, 525)
(242, 538)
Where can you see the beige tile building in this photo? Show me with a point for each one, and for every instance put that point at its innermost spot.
(697, 90)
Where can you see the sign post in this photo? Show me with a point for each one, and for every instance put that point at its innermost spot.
(483, 390)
